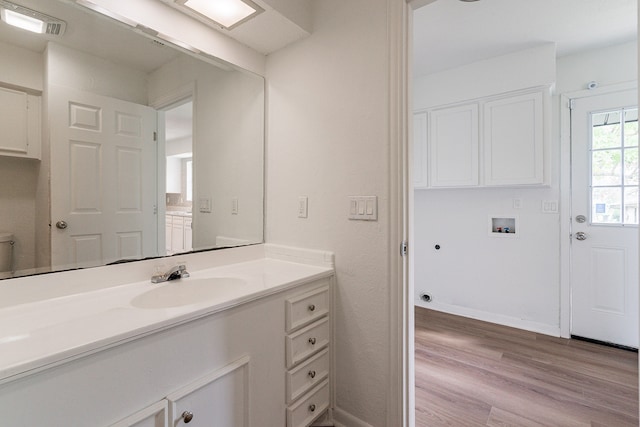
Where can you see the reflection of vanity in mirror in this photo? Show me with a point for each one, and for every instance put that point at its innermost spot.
(108, 176)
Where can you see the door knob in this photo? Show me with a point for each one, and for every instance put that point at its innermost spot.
(61, 225)
(580, 235)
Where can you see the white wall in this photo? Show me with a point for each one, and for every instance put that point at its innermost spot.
(509, 281)
(327, 139)
(506, 73)
(228, 111)
(21, 67)
(81, 71)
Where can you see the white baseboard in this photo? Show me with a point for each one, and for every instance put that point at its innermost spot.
(342, 418)
(500, 319)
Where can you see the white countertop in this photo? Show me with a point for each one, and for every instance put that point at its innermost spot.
(40, 334)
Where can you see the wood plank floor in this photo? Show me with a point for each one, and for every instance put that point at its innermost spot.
(473, 373)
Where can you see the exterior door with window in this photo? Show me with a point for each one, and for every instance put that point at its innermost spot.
(604, 245)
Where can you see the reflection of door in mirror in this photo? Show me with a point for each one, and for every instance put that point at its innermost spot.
(102, 179)
(178, 132)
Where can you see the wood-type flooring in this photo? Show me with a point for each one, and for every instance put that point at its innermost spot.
(473, 373)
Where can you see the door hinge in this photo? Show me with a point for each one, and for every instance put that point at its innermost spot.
(404, 248)
(572, 103)
(155, 136)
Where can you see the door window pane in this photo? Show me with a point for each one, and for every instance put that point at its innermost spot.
(606, 203)
(606, 167)
(631, 166)
(631, 128)
(631, 205)
(607, 132)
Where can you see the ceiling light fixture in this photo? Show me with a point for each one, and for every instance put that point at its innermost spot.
(30, 20)
(224, 13)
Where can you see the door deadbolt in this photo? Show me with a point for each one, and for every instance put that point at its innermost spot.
(581, 219)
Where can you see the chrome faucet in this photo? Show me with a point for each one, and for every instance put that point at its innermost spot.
(177, 272)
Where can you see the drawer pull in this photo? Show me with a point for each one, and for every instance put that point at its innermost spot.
(188, 416)
(312, 374)
(312, 408)
(312, 341)
(312, 307)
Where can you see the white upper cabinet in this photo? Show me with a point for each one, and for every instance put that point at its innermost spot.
(420, 150)
(514, 140)
(453, 147)
(20, 124)
(488, 142)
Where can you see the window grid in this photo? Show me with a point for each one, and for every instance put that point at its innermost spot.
(620, 153)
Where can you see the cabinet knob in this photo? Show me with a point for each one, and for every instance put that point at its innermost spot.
(187, 416)
(312, 307)
(312, 374)
(312, 407)
(312, 341)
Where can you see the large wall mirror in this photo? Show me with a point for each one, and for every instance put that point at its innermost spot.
(135, 148)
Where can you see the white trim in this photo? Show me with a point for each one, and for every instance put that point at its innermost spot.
(565, 195)
(499, 319)
(401, 386)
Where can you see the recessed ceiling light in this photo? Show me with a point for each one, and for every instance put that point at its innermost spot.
(224, 13)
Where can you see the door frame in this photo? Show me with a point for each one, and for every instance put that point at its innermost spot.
(565, 195)
(161, 104)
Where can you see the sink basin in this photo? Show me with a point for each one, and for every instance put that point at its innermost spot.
(188, 291)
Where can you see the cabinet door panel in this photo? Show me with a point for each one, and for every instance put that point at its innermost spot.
(453, 146)
(152, 416)
(513, 135)
(219, 399)
(420, 169)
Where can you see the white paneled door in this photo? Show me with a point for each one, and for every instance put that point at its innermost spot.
(103, 179)
(604, 236)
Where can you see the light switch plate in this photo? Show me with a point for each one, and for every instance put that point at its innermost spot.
(303, 206)
(234, 206)
(550, 206)
(204, 204)
(363, 208)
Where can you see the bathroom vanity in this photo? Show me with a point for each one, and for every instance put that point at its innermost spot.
(247, 342)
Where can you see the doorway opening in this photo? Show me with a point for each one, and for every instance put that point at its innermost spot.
(178, 135)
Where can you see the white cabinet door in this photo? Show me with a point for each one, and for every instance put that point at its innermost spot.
(420, 150)
(514, 140)
(219, 399)
(151, 416)
(453, 146)
(20, 124)
(177, 234)
(168, 227)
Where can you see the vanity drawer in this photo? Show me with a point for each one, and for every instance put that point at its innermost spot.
(308, 374)
(306, 308)
(306, 342)
(310, 407)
